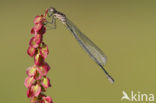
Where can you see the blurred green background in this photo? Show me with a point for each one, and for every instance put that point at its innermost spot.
(124, 29)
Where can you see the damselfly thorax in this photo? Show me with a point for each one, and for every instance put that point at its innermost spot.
(57, 15)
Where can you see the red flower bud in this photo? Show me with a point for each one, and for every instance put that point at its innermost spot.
(34, 91)
(29, 81)
(31, 51)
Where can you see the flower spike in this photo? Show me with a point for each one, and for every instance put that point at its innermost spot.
(37, 81)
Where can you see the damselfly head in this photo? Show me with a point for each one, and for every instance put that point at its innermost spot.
(51, 11)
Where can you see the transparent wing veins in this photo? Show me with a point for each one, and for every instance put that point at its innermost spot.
(94, 52)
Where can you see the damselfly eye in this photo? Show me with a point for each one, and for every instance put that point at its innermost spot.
(51, 9)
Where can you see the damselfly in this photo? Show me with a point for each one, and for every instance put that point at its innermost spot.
(94, 52)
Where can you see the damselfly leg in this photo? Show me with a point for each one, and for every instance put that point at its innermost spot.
(50, 24)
